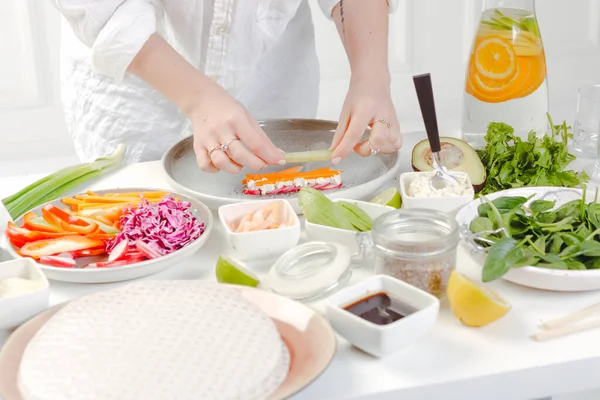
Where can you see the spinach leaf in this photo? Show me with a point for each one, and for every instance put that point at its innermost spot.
(501, 257)
(481, 224)
(576, 265)
(591, 248)
(538, 206)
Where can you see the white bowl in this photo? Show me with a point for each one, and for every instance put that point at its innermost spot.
(447, 204)
(259, 245)
(351, 239)
(15, 310)
(131, 271)
(535, 277)
(382, 340)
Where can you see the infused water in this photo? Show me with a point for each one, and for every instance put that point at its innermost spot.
(506, 75)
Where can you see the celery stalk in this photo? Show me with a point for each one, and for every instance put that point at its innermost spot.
(308, 156)
(56, 184)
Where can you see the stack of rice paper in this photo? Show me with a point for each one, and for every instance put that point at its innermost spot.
(155, 341)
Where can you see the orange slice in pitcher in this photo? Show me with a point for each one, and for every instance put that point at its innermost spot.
(495, 58)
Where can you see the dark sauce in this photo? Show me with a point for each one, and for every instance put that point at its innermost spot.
(379, 309)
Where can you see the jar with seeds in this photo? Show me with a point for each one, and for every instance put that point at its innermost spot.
(417, 246)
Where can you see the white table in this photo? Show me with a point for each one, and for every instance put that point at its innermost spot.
(451, 362)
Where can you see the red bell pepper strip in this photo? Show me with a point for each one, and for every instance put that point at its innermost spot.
(49, 247)
(65, 221)
(55, 261)
(19, 236)
(30, 223)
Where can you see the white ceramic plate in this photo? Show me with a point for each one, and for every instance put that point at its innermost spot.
(132, 271)
(361, 176)
(309, 337)
(535, 277)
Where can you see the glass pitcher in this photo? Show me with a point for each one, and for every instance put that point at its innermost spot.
(506, 73)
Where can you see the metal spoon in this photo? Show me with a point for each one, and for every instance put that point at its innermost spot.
(442, 177)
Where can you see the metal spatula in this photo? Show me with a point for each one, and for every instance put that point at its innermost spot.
(442, 177)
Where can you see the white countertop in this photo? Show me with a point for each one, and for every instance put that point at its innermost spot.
(451, 362)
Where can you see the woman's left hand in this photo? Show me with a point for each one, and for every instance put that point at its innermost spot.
(368, 103)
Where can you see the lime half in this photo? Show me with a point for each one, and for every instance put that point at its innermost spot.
(389, 197)
(233, 272)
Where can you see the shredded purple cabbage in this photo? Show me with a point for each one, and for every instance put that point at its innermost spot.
(165, 227)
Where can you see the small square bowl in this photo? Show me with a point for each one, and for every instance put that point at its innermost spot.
(15, 310)
(260, 245)
(351, 239)
(447, 204)
(382, 340)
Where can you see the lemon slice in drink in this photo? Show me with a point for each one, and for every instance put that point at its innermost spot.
(389, 197)
(472, 303)
(233, 272)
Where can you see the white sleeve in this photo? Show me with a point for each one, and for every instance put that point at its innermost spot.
(328, 5)
(115, 30)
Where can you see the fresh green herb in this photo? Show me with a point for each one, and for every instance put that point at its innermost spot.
(511, 162)
(60, 182)
(538, 234)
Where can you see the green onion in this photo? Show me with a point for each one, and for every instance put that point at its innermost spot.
(58, 183)
(308, 156)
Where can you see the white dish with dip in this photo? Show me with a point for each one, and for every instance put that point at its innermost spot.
(24, 292)
(416, 192)
(419, 310)
(263, 244)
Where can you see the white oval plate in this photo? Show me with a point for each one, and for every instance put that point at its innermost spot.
(361, 176)
(535, 277)
(310, 340)
(132, 271)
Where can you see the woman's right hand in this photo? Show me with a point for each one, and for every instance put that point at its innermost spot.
(227, 137)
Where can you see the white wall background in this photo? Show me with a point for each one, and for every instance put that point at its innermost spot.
(425, 36)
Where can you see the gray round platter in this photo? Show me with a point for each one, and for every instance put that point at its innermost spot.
(362, 177)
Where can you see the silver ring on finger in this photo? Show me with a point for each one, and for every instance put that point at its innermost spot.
(384, 121)
(225, 147)
(374, 152)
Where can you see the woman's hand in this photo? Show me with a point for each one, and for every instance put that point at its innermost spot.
(368, 103)
(227, 137)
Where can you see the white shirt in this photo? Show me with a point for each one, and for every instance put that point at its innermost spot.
(261, 51)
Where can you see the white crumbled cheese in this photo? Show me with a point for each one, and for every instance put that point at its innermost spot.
(420, 187)
(297, 182)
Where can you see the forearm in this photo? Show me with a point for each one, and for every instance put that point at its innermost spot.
(167, 71)
(364, 33)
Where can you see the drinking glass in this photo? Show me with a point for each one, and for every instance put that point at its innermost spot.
(506, 73)
(587, 119)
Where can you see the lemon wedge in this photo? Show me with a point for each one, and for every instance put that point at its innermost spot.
(472, 303)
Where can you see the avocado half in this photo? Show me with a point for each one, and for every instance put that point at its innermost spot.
(456, 155)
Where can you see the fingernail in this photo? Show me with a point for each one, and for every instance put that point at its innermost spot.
(283, 152)
(336, 161)
(281, 162)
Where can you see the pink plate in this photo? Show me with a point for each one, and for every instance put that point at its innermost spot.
(309, 338)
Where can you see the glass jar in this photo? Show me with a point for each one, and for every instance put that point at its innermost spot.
(417, 246)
